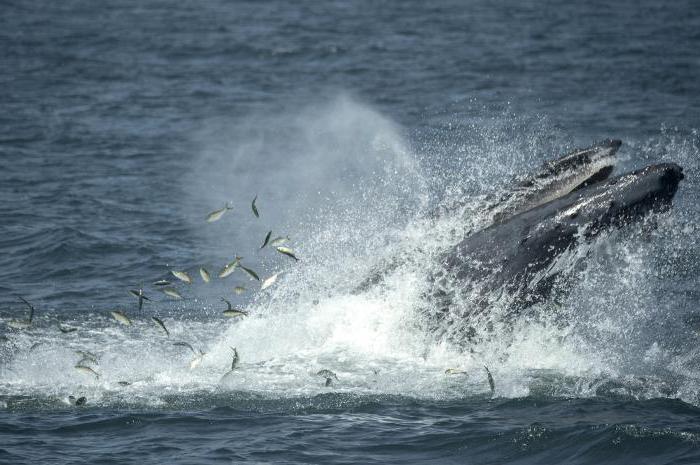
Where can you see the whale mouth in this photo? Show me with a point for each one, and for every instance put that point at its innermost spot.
(599, 176)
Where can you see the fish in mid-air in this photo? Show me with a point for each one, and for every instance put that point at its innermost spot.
(239, 290)
(161, 325)
(121, 317)
(250, 272)
(286, 251)
(182, 276)
(254, 208)
(217, 214)
(66, 329)
(269, 281)
(231, 311)
(162, 282)
(198, 354)
(172, 292)
(492, 384)
(230, 267)
(455, 371)
(138, 293)
(277, 241)
(205, 275)
(23, 324)
(267, 239)
(87, 371)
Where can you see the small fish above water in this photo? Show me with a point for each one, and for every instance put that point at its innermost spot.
(267, 239)
(230, 267)
(121, 317)
(23, 324)
(254, 208)
(123, 383)
(87, 371)
(198, 354)
(231, 311)
(250, 273)
(278, 241)
(172, 292)
(138, 293)
(205, 275)
(492, 384)
(455, 371)
(239, 290)
(182, 276)
(160, 325)
(234, 360)
(217, 214)
(162, 282)
(269, 281)
(287, 251)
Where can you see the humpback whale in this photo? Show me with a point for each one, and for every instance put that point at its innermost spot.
(523, 257)
(553, 179)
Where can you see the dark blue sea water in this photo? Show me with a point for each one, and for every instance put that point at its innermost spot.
(124, 123)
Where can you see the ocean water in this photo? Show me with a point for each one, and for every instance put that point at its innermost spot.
(123, 124)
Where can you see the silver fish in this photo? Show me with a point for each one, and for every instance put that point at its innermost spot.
(492, 384)
(267, 239)
(269, 281)
(182, 276)
(230, 268)
(455, 371)
(287, 251)
(161, 325)
(239, 290)
(278, 241)
(234, 361)
(234, 313)
(172, 292)
(139, 295)
(77, 401)
(250, 272)
(123, 383)
(87, 371)
(121, 317)
(254, 208)
(217, 214)
(23, 324)
(162, 282)
(205, 275)
(198, 354)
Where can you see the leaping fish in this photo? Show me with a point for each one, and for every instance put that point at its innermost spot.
(269, 281)
(161, 325)
(231, 311)
(217, 214)
(250, 272)
(230, 267)
(23, 324)
(87, 371)
(182, 276)
(267, 239)
(172, 292)
(204, 274)
(139, 295)
(492, 384)
(287, 251)
(254, 208)
(198, 354)
(121, 317)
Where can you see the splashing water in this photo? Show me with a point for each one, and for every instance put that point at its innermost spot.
(342, 181)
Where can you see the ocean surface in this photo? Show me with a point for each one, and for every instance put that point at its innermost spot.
(123, 124)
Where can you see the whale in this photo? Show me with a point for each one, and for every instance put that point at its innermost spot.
(553, 179)
(519, 261)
